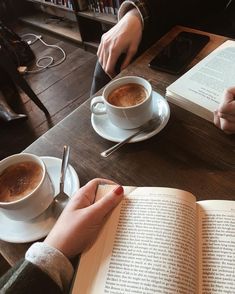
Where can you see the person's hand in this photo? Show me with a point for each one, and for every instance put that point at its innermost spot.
(81, 220)
(124, 37)
(224, 116)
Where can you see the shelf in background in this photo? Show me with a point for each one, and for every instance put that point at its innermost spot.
(42, 2)
(65, 28)
(100, 17)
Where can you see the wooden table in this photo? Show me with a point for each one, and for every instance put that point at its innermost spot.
(190, 153)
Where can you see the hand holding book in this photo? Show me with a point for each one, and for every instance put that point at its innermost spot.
(160, 240)
(201, 89)
(46, 264)
(156, 240)
(85, 218)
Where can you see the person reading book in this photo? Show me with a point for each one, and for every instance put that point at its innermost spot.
(153, 240)
(142, 22)
(207, 89)
(46, 267)
(161, 240)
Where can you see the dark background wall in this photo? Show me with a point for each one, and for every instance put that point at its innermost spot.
(11, 9)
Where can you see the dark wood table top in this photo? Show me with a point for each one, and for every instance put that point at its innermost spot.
(189, 153)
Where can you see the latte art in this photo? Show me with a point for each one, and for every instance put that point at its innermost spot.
(128, 95)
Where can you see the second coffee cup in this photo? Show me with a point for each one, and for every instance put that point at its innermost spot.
(127, 101)
(26, 190)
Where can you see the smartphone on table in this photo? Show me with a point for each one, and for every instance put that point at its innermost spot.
(179, 52)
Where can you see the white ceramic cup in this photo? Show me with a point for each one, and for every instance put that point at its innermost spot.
(37, 201)
(129, 117)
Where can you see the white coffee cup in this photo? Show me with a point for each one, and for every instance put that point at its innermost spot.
(37, 200)
(124, 117)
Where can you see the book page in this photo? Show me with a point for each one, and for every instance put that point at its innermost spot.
(216, 229)
(205, 83)
(147, 246)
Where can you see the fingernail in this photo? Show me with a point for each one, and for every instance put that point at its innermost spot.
(119, 190)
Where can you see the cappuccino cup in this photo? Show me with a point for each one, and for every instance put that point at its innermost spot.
(127, 101)
(26, 190)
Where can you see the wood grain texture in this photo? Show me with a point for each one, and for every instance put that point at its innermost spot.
(190, 153)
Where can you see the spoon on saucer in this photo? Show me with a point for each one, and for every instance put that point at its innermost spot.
(62, 196)
(149, 126)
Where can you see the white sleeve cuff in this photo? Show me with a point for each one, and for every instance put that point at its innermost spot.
(125, 7)
(51, 261)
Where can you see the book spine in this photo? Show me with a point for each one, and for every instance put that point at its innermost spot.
(90, 5)
(82, 4)
(70, 4)
(106, 8)
(101, 5)
(96, 6)
(115, 4)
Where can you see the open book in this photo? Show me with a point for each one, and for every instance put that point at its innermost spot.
(200, 90)
(160, 240)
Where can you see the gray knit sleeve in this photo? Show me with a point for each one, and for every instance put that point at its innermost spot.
(51, 261)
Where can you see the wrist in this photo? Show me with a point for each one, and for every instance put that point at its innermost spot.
(131, 12)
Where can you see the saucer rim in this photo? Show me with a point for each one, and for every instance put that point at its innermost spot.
(140, 137)
(34, 236)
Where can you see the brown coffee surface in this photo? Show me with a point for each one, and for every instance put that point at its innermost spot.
(18, 180)
(128, 95)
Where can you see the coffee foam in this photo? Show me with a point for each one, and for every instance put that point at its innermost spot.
(128, 95)
(19, 180)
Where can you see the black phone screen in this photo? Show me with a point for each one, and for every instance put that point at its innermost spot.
(179, 52)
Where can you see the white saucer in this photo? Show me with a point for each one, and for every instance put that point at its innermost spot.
(22, 232)
(107, 130)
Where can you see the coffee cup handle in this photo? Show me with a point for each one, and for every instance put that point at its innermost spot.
(94, 105)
